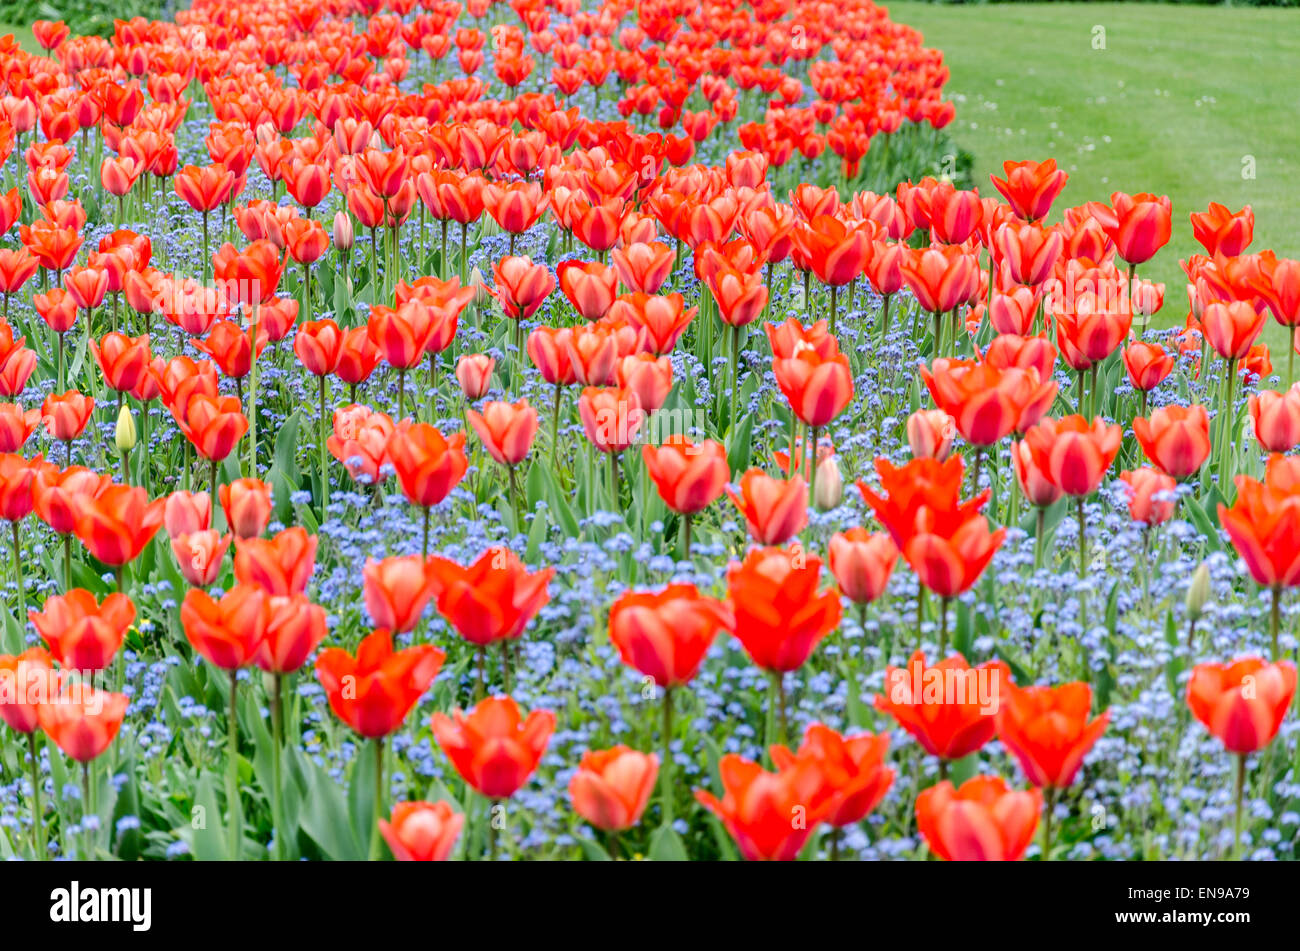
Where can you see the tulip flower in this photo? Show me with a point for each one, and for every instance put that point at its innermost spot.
(281, 565)
(429, 465)
(929, 434)
(494, 747)
(1150, 495)
(491, 600)
(986, 403)
(780, 615)
(422, 831)
(949, 707)
(397, 589)
(375, 690)
(247, 506)
(688, 476)
(775, 510)
(506, 431)
(612, 787)
(82, 633)
(862, 563)
(981, 821)
(854, 769)
(361, 442)
(1030, 187)
(665, 636)
(756, 806)
(1147, 365)
(1074, 455)
(1276, 419)
(1176, 439)
(1243, 704)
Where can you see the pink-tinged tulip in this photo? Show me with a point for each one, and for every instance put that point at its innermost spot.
(930, 433)
(1150, 495)
(862, 563)
(422, 831)
(775, 510)
(612, 787)
(1276, 419)
(505, 429)
(982, 821)
(1175, 438)
(689, 476)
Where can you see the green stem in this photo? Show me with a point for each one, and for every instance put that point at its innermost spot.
(37, 811)
(232, 771)
(666, 767)
(1275, 618)
(324, 455)
(1049, 806)
(1240, 795)
(277, 731)
(376, 840)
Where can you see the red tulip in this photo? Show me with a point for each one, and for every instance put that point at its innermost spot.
(493, 748)
(1151, 495)
(757, 806)
(982, 821)
(228, 632)
(1175, 438)
(374, 691)
(422, 831)
(950, 708)
(247, 505)
(281, 565)
(397, 590)
(116, 523)
(83, 721)
(780, 615)
(1242, 703)
(1048, 730)
(775, 510)
(82, 633)
(492, 599)
(505, 429)
(612, 787)
(862, 563)
(666, 634)
(689, 476)
(853, 766)
(1073, 453)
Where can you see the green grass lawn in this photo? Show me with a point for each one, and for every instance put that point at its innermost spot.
(1174, 104)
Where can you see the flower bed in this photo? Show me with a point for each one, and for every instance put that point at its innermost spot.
(395, 465)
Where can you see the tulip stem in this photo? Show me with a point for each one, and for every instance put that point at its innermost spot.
(424, 548)
(943, 627)
(778, 682)
(666, 768)
(67, 562)
(376, 847)
(37, 829)
(482, 663)
(18, 575)
(938, 333)
(1049, 807)
(232, 772)
(735, 363)
(812, 478)
(555, 423)
(324, 457)
(1240, 792)
(1275, 618)
(1040, 528)
(686, 536)
(884, 317)
(613, 479)
(1083, 540)
(277, 737)
(252, 392)
(401, 393)
(505, 664)
(87, 811)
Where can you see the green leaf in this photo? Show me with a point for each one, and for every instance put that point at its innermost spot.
(325, 817)
(740, 445)
(592, 850)
(207, 832)
(667, 846)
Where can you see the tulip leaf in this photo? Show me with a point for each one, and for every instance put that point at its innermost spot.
(1202, 521)
(593, 850)
(207, 836)
(325, 817)
(667, 846)
(740, 445)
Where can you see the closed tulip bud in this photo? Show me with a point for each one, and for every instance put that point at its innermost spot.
(1198, 592)
(124, 435)
(343, 235)
(830, 485)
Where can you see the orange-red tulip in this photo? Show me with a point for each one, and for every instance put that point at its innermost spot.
(493, 748)
(612, 787)
(1048, 730)
(374, 691)
(666, 634)
(1175, 438)
(982, 821)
